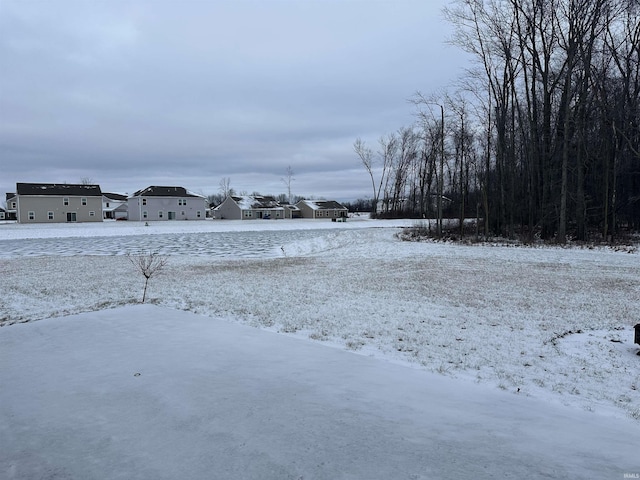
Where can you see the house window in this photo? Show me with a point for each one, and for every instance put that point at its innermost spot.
(144, 201)
(13, 205)
(92, 214)
(248, 213)
(83, 200)
(65, 201)
(182, 213)
(198, 214)
(50, 215)
(107, 204)
(160, 214)
(182, 201)
(32, 215)
(145, 214)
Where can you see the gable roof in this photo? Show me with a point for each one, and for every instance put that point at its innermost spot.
(254, 202)
(160, 191)
(323, 204)
(115, 196)
(58, 189)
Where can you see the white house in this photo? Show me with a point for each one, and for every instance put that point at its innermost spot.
(114, 206)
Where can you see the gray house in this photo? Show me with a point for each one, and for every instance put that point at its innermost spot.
(250, 208)
(322, 209)
(57, 203)
(166, 203)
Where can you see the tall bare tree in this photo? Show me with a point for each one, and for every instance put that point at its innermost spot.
(365, 154)
(288, 180)
(224, 187)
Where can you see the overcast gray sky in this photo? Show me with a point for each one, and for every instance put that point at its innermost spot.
(187, 92)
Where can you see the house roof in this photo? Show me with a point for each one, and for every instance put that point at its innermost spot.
(160, 191)
(323, 204)
(115, 196)
(10, 196)
(58, 189)
(255, 202)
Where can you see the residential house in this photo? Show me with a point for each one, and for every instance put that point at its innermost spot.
(11, 212)
(114, 206)
(250, 207)
(57, 203)
(291, 211)
(322, 209)
(3, 213)
(166, 203)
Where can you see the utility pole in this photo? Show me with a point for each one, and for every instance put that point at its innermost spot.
(441, 172)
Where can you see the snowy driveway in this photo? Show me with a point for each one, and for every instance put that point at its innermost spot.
(144, 392)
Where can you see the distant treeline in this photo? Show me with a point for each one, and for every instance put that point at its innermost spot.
(541, 137)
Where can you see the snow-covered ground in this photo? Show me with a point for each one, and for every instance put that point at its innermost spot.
(553, 324)
(548, 322)
(146, 392)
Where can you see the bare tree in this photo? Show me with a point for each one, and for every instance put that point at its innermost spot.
(86, 181)
(224, 187)
(148, 265)
(366, 157)
(418, 100)
(287, 180)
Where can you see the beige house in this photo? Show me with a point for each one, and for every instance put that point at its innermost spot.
(251, 207)
(57, 203)
(322, 209)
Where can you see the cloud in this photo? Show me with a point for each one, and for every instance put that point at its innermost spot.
(185, 90)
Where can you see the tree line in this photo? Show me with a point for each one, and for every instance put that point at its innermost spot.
(542, 136)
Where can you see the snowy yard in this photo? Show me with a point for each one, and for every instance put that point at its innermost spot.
(549, 323)
(368, 358)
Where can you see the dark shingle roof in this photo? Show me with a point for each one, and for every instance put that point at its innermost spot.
(324, 204)
(58, 189)
(115, 196)
(155, 191)
(330, 204)
(256, 202)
